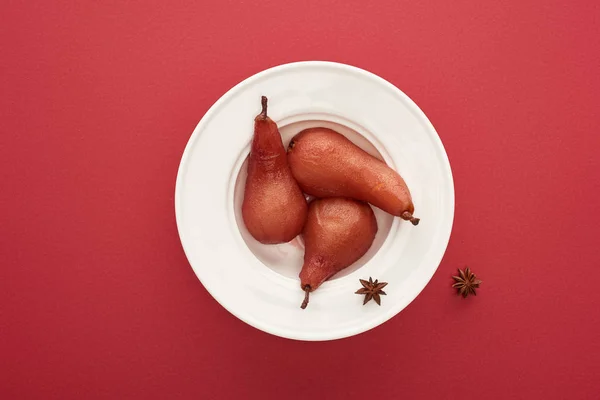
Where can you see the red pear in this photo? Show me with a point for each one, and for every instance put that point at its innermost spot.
(338, 231)
(274, 208)
(327, 164)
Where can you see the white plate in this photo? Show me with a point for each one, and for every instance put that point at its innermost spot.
(258, 283)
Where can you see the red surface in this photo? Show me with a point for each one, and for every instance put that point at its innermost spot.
(97, 102)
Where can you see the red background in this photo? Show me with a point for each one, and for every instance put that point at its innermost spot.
(97, 102)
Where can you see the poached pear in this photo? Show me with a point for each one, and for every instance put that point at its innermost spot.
(338, 231)
(326, 164)
(274, 209)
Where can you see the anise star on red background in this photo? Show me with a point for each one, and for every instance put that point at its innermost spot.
(466, 282)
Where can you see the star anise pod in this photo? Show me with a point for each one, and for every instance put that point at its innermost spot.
(371, 290)
(466, 282)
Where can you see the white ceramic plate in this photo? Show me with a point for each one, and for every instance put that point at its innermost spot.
(258, 283)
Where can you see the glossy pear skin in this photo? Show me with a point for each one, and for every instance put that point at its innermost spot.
(274, 209)
(326, 164)
(338, 231)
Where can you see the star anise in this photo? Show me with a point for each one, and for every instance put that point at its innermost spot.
(466, 282)
(371, 290)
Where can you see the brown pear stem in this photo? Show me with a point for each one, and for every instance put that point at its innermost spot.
(409, 217)
(306, 294)
(263, 102)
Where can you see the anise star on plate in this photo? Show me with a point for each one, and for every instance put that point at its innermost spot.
(371, 290)
(466, 282)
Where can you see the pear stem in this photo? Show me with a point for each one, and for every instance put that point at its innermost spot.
(409, 217)
(263, 102)
(306, 294)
